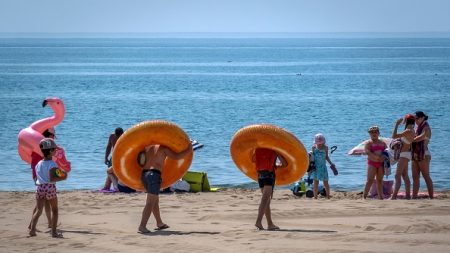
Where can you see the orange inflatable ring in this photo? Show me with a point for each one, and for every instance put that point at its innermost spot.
(135, 139)
(247, 139)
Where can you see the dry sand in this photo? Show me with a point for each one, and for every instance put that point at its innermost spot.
(224, 222)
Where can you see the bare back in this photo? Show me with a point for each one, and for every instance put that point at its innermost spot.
(409, 135)
(112, 140)
(154, 157)
(111, 143)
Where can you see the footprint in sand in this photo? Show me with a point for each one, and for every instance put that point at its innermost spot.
(369, 228)
(77, 245)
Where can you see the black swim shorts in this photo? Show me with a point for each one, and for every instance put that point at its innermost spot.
(266, 178)
(152, 181)
(125, 189)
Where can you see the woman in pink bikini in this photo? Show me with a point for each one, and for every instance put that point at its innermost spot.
(375, 166)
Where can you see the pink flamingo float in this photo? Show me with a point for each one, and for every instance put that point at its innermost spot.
(30, 137)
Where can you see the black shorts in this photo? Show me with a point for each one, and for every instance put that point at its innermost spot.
(266, 178)
(152, 181)
(125, 189)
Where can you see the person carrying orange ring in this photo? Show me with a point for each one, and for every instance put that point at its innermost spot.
(152, 161)
(266, 162)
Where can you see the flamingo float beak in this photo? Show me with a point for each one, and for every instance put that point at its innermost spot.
(48, 101)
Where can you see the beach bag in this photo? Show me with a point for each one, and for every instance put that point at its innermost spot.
(387, 188)
(198, 181)
(321, 191)
(180, 186)
(299, 188)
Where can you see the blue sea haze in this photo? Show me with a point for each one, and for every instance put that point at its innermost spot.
(213, 87)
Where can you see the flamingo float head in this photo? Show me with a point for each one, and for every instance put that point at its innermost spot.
(30, 137)
(56, 104)
(58, 108)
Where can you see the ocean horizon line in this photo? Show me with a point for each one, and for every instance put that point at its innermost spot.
(224, 35)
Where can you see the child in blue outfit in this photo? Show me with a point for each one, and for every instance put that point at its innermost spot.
(319, 154)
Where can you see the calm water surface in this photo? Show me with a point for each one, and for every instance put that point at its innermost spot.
(213, 87)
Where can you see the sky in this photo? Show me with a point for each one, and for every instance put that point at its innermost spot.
(224, 16)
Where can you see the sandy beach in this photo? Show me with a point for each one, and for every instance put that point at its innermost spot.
(224, 222)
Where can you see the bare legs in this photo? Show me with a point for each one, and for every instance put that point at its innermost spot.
(54, 206)
(113, 178)
(264, 209)
(110, 179)
(402, 172)
(371, 173)
(151, 206)
(53, 203)
(108, 182)
(327, 188)
(423, 167)
(48, 213)
(316, 188)
(36, 214)
(407, 183)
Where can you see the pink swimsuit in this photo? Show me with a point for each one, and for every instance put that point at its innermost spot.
(374, 148)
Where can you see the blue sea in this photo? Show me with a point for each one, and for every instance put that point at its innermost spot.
(213, 87)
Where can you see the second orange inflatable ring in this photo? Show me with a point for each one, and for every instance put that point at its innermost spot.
(247, 139)
(146, 133)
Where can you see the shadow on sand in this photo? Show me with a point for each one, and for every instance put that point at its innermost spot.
(301, 230)
(79, 232)
(172, 232)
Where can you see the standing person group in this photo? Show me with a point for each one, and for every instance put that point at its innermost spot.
(413, 146)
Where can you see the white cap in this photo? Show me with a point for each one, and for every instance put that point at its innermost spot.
(47, 143)
(319, 139)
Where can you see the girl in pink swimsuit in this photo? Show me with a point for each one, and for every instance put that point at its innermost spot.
(375, 167)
